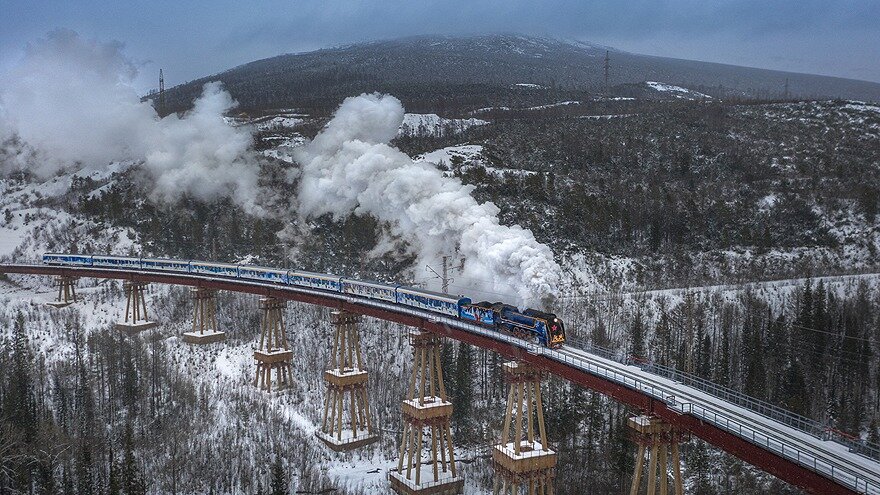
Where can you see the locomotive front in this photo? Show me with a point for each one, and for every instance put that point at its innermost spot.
(556, 331)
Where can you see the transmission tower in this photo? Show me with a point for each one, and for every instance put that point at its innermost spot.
(447, 267)
(785, 94)
(161, 93)
(607, 66)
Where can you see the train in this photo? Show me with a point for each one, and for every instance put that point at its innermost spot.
(533, 325)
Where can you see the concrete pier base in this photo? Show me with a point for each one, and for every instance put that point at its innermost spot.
(206, 337)
(135, 327)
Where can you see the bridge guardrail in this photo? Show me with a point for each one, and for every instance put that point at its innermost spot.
(841, 475)
(764, 408)
(810, 461)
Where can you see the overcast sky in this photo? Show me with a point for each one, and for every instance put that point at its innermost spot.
(190, 39)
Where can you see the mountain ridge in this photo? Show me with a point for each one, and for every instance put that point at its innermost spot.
(464, 68)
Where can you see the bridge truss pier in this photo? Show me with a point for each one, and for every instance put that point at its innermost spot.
(136, 319)
(346, 375)
(273, 354)
(426, 406)
(658, 438)
(523, 460)
(66, 292)
(204, 329)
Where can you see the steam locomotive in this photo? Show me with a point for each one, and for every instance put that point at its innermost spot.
(530, 324)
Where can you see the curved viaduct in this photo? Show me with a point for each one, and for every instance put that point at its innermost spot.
(809, 461)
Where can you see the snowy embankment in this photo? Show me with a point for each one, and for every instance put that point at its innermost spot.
(277, 122)
(431, 124)
(677, 91)
(29, 225)
(527, 109)
(528, 86)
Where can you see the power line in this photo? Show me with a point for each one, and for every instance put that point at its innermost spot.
(161, 92)
(833, 334)
(444, 276)
(607, 67)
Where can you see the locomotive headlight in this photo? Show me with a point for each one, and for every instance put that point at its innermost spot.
(555, 320)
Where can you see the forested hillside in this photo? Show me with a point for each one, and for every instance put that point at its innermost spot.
(735, 240)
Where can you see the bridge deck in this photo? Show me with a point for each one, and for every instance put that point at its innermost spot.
(817, 465)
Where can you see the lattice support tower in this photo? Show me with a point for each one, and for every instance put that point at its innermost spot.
(523, 461)
(346, 375)
(274, 354)
(204, 327)
(658, 439)
(426, 407)
(66, 292)
(135, 319)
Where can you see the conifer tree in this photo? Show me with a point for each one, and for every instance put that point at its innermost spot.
(84, 475)
(463, 385)
(113, 485)
(663, 339)
(447, 360)
(795, 388)
(704, 367)
(777, 356)
(755, 374)
(816, 331)
(637, 337)
(132, 480)
(279, 478)
(19, 404)
(722, 368)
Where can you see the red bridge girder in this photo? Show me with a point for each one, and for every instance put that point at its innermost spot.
(753, 454)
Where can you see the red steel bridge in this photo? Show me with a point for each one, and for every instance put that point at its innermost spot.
(796, 449)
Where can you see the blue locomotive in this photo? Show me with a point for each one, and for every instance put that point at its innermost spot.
(530, 324)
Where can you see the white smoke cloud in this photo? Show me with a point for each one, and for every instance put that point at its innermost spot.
(201, 155)
(349, 167)
(70, 105)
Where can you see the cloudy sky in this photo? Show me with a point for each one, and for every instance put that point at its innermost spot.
(190, 39)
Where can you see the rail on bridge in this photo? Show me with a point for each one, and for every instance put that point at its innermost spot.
(795, 449)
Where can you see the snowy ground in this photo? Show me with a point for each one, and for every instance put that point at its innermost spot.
(431, 124)
(29, 228)
(277, 122)
(677, 91)
(226, 370)
(284, 147)
(450, 155)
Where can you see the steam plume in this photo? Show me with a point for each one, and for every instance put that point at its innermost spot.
(350, 167)
(70, 105)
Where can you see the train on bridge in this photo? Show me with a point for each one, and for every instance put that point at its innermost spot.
(541, 327)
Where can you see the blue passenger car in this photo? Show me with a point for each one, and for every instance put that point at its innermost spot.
(478, 313)
(222, 269)
(263, 274)
(165, 265)
(116, 262)
(67, 259)
(431, 301)
(373, 290)
(315, 280)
